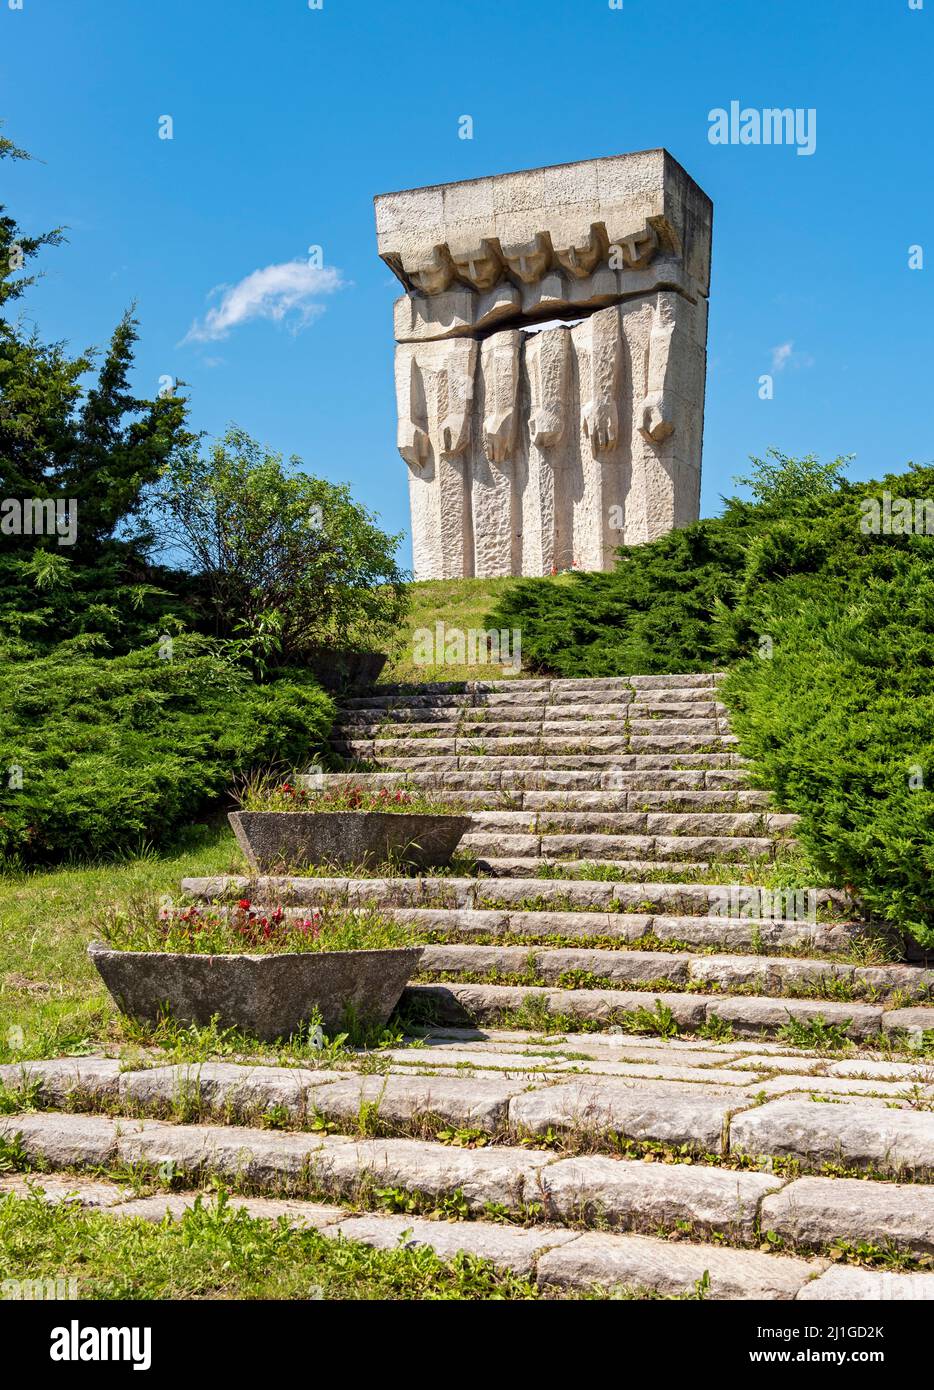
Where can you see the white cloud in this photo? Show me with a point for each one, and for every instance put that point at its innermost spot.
(785, 356)
(289, 291)
(781, 355)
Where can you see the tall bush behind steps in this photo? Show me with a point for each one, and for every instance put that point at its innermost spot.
(118, 751)
(827, 632)
(288, 563)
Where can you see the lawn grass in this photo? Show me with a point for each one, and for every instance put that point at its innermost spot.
(48, 988)
(463, 604)
(217, 1251)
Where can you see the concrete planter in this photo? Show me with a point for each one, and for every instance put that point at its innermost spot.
(273, 840)
(266, 996)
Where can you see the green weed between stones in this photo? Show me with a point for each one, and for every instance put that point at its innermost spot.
(216, 1251)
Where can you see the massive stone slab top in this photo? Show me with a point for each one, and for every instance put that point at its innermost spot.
(567, 218)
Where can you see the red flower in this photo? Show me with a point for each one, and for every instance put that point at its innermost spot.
(244, 904)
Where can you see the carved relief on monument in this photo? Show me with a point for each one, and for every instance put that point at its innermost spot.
(550, 362)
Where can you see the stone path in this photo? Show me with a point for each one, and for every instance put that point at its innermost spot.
(622, 1081)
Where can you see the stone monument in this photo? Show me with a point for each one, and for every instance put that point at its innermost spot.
(550, 361)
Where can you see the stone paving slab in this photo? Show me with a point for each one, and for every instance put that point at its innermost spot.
(751, 1014)
(639, 1262)
(173, 1205)
(264, 1157)
(502, 1175)
(884, 1067)
(58, 1189)
(659, 1071)
(890, 1141)
(625, 1047)
(819, 1211)
(59, 1078)
(846, 1282)
(666, 1114)
(508, 1247)
(807, 1065)
(648, 1196)
(456, 1002)
(917, 1020)
(465, 1103)
(466, 1057)
(842, 1085)
(226, 1085)
(62, 1140)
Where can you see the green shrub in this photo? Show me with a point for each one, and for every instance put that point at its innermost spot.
(827, 631)
(114, 752)
(653, 614)
(839, 722)
(289, 563)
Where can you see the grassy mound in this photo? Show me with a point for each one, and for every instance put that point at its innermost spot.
(459, 606)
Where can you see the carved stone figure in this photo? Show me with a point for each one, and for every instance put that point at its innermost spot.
(550, 361)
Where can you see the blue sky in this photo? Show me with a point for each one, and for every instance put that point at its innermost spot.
(288, 120)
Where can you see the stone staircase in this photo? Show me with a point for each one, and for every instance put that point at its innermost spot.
(629, 773)
(615, 845)
(632, 1061)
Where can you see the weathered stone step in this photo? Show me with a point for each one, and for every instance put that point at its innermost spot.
(610, 1261)
(526, 722)
(737, 900)
(641, 1263)
(768, 975)
(895, 1142)
(636, 1263)
(461, 715)
(621, 706)
(547, 745)
(615, 763)
(819, 1211)
(630, 870)
(733, 934)
(673, 698)
(690, 681)
(642, 822)
(519, 705)
(851, 1283)
(632, 806)
(717, 1121)
(619, 1193)
(619, 781)
(527, 732)
(556, 846)
(750, 1015)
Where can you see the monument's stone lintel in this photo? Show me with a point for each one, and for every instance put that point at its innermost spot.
(550, 361)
